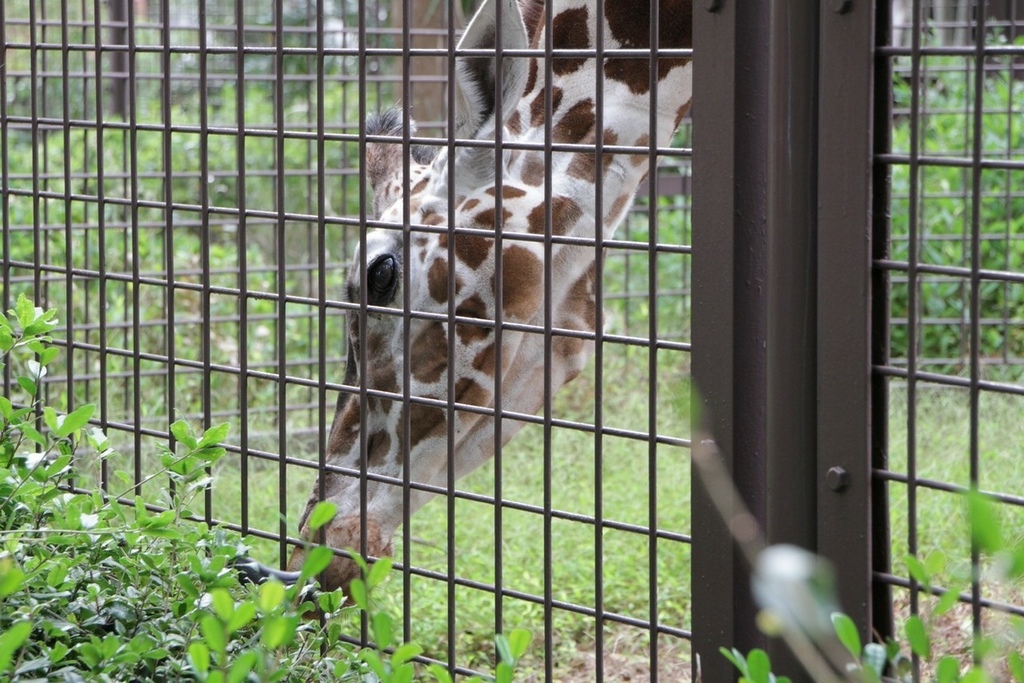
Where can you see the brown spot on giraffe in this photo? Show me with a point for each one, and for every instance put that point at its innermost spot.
(534, 169)
(469, 204)
(507, 192)
(641, 159)
(537, 112)
(435, 218)
(584, 164)
(420, 185)
(472, 250)
(629, 24)
(472, 307)
(569, 32)
(424, 422)
(485, 219)
(437, 280)
(522, 282)
(564, 214)
(619, 206)
(430, 353)
(378, 447)
(472, 393)
(515, 123)
(576, 123)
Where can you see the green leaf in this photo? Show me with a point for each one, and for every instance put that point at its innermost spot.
(223, 603)
(271, 595)
(357, 591)
(200, 656)
(11, 577)
(846, 630)
(28, 385)
(737, 659)
(278, 631)
(405, 653)
(917, 570)
(74, 421)
(245, 663)
(382, 630)
(504, 651)
(519, 642)
(317, 560)
(182, 431)
(330, 602)
(947, 670)
(378, 572)
(985, 527)
(875, 658)
(214, 435)
(11, 640)
(213, 632)
(920, 643)
(760, 666)
(373, 661)
(945, 602)
(322, 513)
(1015, 662)
(244, 613)
(440, 673)
(503, 672)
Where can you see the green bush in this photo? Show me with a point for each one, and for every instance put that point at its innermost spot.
(93, 589)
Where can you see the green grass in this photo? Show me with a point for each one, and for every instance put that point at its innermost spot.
(942, 453)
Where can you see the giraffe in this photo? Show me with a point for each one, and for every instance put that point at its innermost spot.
(543, 193)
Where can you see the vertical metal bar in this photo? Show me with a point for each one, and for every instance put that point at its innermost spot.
(243, 264)
(69, 285)
(101, 235)
(881, 546)
(912, 304)
(133, 194)
(729, 184)
(452, 237)
(599, 248)
(652, 349)
(168, 228)
(844, 416)
(281, 280)
(37, 137)
(407, 329)
(321, 260)
(363, 302)
(549, 636)
(975, 310)
(5, 186)
(206, 330)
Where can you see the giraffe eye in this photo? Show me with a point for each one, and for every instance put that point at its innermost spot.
(383, 280)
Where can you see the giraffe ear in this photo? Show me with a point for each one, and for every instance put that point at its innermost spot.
(475, 76)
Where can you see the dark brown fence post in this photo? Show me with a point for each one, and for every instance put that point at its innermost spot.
(782, 297)
(728, 309)
(846, 127)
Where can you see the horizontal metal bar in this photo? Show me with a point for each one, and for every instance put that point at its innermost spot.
(937, 485)
(950, 381)
(994, 605)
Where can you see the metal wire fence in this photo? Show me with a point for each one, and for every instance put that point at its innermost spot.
(181, 181)
(956, 301)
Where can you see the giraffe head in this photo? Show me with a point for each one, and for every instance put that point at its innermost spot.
(451, 309)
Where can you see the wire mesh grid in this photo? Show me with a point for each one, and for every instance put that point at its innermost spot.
(956, 278)
(181, 181)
